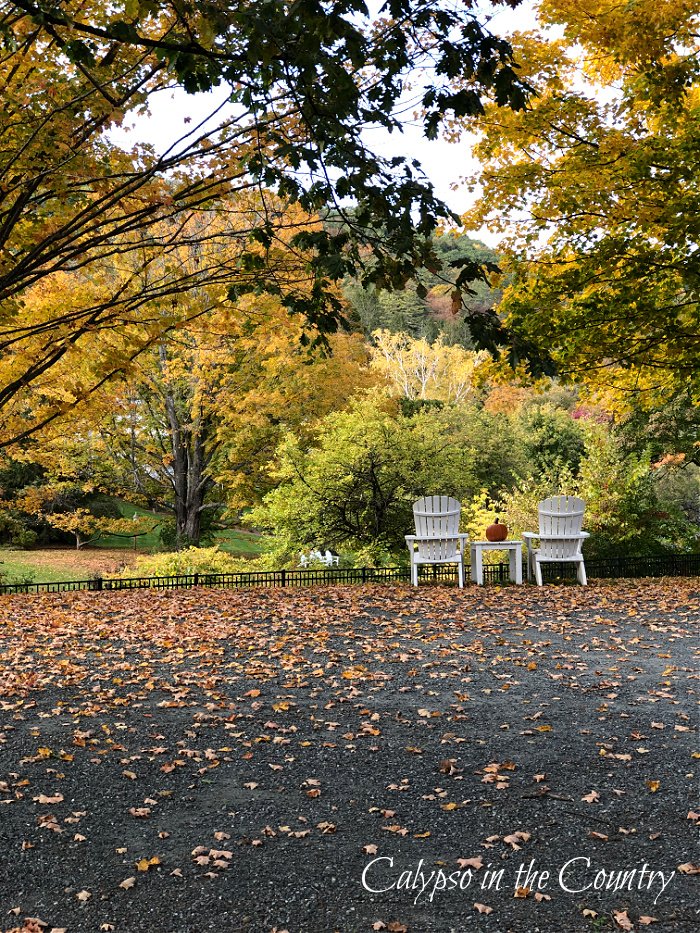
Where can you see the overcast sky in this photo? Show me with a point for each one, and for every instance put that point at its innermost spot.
(444, 163)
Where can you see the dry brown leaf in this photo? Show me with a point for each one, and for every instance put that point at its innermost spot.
(622, 920)
(476, 862)
(43, 798)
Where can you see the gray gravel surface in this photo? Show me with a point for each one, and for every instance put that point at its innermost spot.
(245, 757)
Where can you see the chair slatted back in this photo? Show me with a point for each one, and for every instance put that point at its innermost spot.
(437, 519)
(561, 519)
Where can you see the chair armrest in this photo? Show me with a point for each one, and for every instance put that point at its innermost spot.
(460, 536)
(578, 536)
(572, 537)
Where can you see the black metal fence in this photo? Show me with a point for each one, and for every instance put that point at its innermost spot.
(667, 565)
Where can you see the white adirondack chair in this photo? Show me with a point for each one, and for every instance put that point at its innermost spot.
(330, 559)
(437, 539)
(560, 536)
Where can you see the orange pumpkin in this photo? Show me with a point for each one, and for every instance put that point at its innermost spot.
(497, 532)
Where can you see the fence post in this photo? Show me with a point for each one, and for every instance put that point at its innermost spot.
(196, 579)
(98, 583)
(284, 577)
(364, 574)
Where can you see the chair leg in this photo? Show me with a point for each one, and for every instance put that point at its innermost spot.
(414, 574)
(538, 572)
(460, 574)
(478, 566)
(581, 574)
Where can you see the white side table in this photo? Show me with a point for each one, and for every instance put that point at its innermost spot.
(515, 558)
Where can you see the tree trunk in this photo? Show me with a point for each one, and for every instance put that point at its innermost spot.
(189, 469)
(192, 447)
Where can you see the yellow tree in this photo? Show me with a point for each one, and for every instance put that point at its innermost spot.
(201, 405)
(297, 83)
(416, 369)
(595, 188)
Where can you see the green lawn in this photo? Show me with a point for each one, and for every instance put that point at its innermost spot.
(148, 542)
(233, 541)
(20, 565)
(240, 543)
(54, 564)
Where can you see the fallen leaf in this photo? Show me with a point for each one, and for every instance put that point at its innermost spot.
(476, 862)
(622, 920)
(483, 909)
(42, 798)
(144, 864)
(140, 812)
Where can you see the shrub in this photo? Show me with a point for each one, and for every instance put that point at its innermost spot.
(167, 533)
(623, 513)
(551, 438)
(24, 537)
(188, 561)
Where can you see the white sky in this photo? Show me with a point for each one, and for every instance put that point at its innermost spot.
(444, 163)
